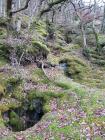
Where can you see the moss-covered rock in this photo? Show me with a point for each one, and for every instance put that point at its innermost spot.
(94, 56)
(76, 68)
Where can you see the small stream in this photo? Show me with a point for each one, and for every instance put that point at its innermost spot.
(62, 66)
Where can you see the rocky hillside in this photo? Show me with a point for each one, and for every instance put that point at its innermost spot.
(49, 89)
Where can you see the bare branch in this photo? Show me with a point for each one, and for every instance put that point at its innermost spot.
(50, 6)
(19, 10)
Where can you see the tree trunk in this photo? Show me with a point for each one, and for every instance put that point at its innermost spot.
(83, 35)
(103, 22)
(53, 14)
(18, 22)
(9, 9)
(4, 9)
(9, 17)
(94, 30)
(96, 38)
(18, 25)
(1, 8)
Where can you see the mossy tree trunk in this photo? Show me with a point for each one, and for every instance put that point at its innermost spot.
(9, 8)
(10, 13)
(96, 38)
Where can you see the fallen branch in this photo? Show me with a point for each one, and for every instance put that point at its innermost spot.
(42, 64)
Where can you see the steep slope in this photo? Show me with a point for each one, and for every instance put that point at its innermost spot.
(66, 96)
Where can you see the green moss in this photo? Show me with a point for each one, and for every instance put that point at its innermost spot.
(36, 49)
(101, 38)
(3, 21)
(82, 71)
(67, 48)
(2, 91)
(1, 121)
(91, 40)
(39, 45)
(99, 62)
(76, 69)
(4, 51)
(50, 27)
(40, 27)
(78, 40)
(68, 38)
(21, 49)
(12, 85)
(14, 81)
(95, 57)
(15, 121)
(9, 103)
(3, 61)
(39, 77)
(46, 97)
(14, 88)
(63, 85)
(71, 132)
(53, 59)
(18, 93)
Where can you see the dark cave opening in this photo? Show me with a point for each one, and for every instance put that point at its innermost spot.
(25, 116)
